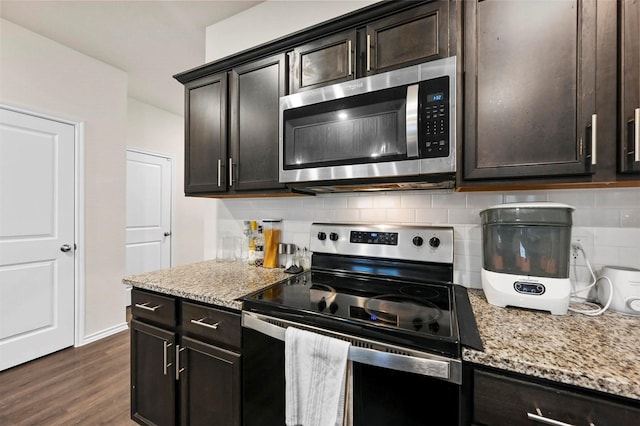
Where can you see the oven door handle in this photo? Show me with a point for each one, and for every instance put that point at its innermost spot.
(429, 365)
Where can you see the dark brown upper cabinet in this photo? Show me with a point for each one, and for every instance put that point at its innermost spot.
(530, 89)
(206, 135)
(407, 38)
(255, 92)
(326, 61)
(629, 118)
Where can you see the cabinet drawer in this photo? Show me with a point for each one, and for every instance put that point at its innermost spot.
(153, 307)
(211, 324)
(500, 400)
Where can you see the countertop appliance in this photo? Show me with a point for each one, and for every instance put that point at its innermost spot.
(389, 131)
(625, 283)
(526, 251)
(388, 290)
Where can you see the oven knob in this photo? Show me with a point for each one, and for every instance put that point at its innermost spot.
(322, 304)
(434, 242)
(418, 241)
(333, 236)
(333, 307)
(322, 236)
(417, 323)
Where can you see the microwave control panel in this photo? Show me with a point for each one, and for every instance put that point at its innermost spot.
(434, 135)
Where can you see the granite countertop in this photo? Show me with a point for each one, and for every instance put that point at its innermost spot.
(596, 352)
(600, 353)
(217, 282)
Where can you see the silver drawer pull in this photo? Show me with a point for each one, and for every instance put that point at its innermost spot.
(204, 324)
(636, 128)
(178, 369)
(542, 419)
(147, 307)
(165, 357)
(594, 138)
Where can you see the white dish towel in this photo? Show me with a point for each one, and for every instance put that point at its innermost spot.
(318, 380)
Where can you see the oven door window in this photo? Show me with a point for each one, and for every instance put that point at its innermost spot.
(367, 128)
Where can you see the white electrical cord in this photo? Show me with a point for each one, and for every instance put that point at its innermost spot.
(574, 298)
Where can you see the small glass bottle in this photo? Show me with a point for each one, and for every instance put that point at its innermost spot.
(252, 243)
(259, 244)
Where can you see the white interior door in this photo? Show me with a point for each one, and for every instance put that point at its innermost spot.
(148, 213)
(37, 226)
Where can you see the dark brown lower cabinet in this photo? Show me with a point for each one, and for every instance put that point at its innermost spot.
(500, 399)
(153, 387)
(188, 372)
(209, 384)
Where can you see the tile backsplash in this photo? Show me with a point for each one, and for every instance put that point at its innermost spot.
(606, 222)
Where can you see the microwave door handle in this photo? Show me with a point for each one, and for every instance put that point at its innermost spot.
(412, 120)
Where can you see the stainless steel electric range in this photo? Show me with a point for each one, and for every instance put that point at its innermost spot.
(387, 289)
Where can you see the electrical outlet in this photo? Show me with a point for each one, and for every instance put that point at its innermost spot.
(575, 249)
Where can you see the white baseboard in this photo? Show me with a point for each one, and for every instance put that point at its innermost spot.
(104, 333)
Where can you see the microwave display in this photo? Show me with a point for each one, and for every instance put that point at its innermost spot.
(435, 97)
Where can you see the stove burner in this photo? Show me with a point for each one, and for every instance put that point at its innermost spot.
(402, 309)
(420, 291)
(322, 295)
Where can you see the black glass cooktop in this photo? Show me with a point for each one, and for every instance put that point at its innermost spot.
(403, 312)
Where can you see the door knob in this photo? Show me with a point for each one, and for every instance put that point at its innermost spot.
(166, 234)
(65, 248)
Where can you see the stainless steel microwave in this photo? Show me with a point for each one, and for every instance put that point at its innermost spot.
(394, 130)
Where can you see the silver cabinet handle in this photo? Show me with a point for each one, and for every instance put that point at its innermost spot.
(204, 324)
(146, 306)
(230, 171)
(65, 248)
(636, 127)
(542, 419)
(350, 64)
(165, 364)
(219, 172)
(178, 369)
(368, 52)
(594, 138)
(412, 121)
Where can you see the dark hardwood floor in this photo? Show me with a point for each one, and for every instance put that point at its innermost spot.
(88, 385)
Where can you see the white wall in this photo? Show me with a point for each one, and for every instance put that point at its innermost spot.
(157, 131)
(43, 76)
(271, 20)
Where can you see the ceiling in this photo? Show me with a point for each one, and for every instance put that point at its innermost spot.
(150, 40)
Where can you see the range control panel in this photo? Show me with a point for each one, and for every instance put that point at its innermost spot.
(373, 237)
(409, 242)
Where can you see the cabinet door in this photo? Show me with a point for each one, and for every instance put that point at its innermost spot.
(529, 77)
(255, 100)
(329, 60)
(153, 386)
(209, 384)
(630, 86)
(206, 135)
(407, 38)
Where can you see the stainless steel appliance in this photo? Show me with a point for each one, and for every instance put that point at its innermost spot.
(394, 130)
(388, 290)
(526, 252)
